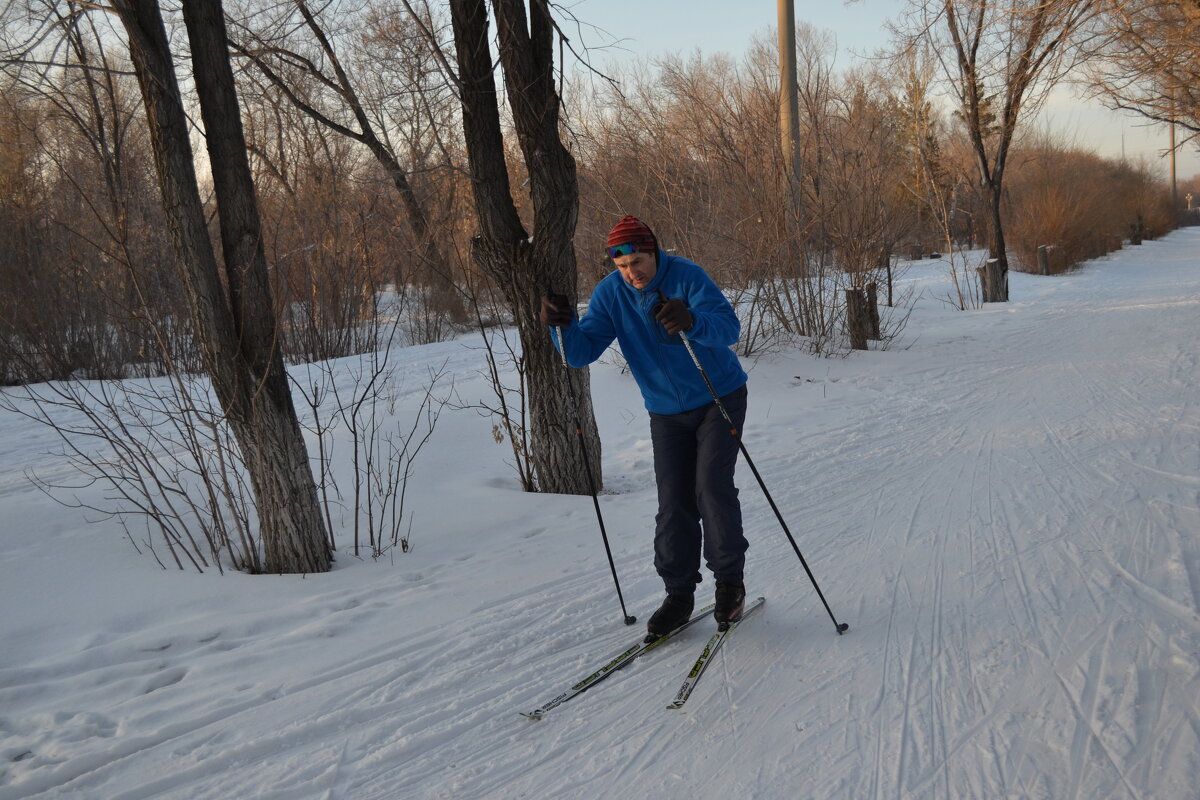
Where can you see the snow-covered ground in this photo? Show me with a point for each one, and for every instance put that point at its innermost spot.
(1004, 508)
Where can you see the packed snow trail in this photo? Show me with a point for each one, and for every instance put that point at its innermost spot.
(1005, 508)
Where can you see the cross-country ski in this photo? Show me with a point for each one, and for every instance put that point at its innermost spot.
(643, 645)
(707, 654)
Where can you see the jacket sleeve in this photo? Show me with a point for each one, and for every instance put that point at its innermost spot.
(586, 339)
(714, 322)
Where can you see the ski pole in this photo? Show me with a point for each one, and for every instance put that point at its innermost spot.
(842, 627)
(587, 468)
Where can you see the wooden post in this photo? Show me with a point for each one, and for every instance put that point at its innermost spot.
(885, 263)
(872, 300)
(856, 318)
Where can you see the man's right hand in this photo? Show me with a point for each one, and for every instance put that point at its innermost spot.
(556, 310)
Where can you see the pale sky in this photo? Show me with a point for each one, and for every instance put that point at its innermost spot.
(650, 28)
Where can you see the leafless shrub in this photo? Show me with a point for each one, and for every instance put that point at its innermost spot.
(162, 460)
(1079, 205)
(354, 405)
(505, 376)
(158, 456)
(87, 255)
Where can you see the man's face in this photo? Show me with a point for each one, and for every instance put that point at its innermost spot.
(638, 269)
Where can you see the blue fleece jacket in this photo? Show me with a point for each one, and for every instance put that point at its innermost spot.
(660, 364)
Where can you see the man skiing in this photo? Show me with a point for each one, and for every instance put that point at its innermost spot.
(645, 304)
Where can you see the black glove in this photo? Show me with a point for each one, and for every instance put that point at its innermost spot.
(674, 316)
(556, 310)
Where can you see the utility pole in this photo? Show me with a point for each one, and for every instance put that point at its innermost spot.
(789, 106)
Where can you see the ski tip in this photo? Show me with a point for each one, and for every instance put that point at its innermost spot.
(533, 715)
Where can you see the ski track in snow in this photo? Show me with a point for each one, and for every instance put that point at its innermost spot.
(1006, 511)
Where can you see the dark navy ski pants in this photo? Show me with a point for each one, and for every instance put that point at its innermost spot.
(694, 457)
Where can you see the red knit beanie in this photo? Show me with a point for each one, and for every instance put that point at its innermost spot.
(632, 229)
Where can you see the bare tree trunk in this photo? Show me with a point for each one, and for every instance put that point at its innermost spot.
(527, 267)
(238, 333)
(1005, 59)
(995, 271)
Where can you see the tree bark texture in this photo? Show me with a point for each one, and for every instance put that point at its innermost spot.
(526, 267)
(995, 288)
(239, 338)
(993, 282)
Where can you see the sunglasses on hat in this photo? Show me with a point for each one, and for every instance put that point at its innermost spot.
(626, 249)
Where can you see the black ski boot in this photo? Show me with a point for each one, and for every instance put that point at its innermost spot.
(730, 602)
(675, 610)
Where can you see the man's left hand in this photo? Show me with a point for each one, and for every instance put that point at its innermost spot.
(674, 316)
